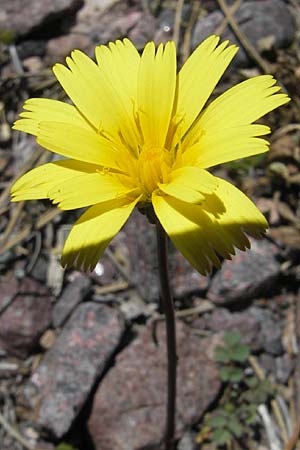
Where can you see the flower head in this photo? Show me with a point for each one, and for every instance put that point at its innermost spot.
(138, 134)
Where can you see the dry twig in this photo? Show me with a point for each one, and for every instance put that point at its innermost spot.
(250, 49)
(294, 438)
(284, 130)
(187, 35)
(177, 21)
(232, 10)
(204, 307)
(270, 428)
(274, 403)
(25, 232)
(15, 434)
(34, 159)
(119, 266)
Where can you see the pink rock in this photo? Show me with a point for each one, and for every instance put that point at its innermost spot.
(129, 406)
(60, 47)
(23, 16)
(247, 275)
(25, 313)
(61, 384)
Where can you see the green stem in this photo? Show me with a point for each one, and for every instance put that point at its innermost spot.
(168, 307)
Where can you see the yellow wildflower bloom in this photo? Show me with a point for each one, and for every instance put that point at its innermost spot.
(138, 134)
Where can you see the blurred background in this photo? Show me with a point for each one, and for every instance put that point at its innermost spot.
(82, 356)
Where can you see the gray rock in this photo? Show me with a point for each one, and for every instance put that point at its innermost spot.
(22, 17)
(130, 404)
(268, 363)
(143, 30)
(185, 280)
(205, 26)
(97, 22)
(246, 323)
(39, 270)
(72, 295)
(187, 442)
(271, 331)
(266, 23)
(165, 22)
(141, 243)
(107, 20)
(25, 313)
(284, 368)
(59, 47)
(133, 306)
(281, 367)
(249, 274)
(59, 387)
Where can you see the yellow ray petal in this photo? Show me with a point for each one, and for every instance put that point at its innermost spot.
(88, 189)
(241, 105)
(93, 231)
(215, 226)
(95, 96)
(187, 235)
(240, 211)
(189, 184)
(79, 143)
(80, 92)
(225, 145)
(123, 84)
(43, 109)
(38, 182)
(156, 90)
(199, 76)
(110, 58)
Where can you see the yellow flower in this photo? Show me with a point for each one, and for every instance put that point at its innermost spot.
(138, 134)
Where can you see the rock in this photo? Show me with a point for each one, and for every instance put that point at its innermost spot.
(106, 271)
(281, 367)
(165, 22)
(33, 64)
(268, 363)
(258, 327)
(9, 289)
(248, 274)
(188, 442)
(22, 17)
(129, 406)
(39, 270)
(141, 243)
(143, 30)
(284, 368)
(133, 306)
(72, 295)
(271, 331)
(30, 48)
(25, 313)
(205, 26)
(59, 387)
(246, 323)
(105, 21)
(59, 47)
(267, 24)
(47, 339)
(185, 280)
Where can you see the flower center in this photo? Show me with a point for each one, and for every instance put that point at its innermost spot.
(153, 168)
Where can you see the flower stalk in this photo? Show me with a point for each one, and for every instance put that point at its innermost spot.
(168, 308)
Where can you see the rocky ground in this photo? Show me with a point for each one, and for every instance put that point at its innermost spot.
(82, 356)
